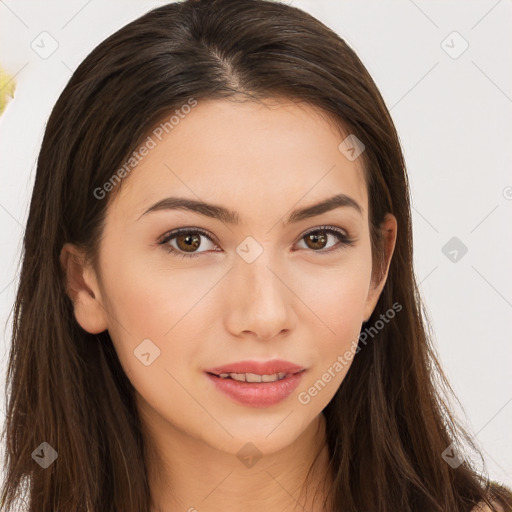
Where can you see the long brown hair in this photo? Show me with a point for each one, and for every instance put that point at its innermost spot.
(388, 424)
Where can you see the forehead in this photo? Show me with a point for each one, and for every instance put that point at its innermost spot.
(246, 155)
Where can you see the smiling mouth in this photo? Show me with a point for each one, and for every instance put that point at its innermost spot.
(257, 389)
(253, 377)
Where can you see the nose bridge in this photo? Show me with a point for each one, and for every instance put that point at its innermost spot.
(260, 301)
(260, 279)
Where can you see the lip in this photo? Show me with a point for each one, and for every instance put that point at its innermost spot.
(258, 367)
(257, 394)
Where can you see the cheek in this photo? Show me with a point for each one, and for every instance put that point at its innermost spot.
(152, 327)
(338, 293)
(155, 300)
(150, 296)
(337, 296)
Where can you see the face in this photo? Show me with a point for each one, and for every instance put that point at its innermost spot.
(273, 285)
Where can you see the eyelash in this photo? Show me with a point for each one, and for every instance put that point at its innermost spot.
(345, 240)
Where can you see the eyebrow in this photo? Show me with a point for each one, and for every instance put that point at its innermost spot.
(231, 217)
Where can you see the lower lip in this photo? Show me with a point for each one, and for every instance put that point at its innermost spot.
(257, 394)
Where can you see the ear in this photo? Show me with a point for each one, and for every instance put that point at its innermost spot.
(83, 290)
(389, 232)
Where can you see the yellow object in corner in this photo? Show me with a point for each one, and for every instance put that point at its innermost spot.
(7, 86)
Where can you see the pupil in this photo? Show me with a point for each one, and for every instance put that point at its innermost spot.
(317, 239)
(191, 241)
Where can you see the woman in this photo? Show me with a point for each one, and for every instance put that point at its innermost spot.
(217, 307)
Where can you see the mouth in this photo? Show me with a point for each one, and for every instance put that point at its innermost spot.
(254, 377)
(254, 389)
(256, 371)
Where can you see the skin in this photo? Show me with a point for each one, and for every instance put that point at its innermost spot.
(293, 303)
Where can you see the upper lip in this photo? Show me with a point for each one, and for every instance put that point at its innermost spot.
(258, 367)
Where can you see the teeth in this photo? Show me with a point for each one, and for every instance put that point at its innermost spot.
(253, 377)
(238, 376)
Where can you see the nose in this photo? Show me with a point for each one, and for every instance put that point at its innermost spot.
(260, 300)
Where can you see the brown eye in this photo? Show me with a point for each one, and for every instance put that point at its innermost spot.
(185, 242)
(188, 243)
(315, 240)
(318, 238)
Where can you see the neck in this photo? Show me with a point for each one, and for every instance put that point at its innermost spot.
(186, 474)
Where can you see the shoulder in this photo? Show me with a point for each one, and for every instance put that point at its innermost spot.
(482, 507)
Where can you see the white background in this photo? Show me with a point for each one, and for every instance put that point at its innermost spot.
(453, 116)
